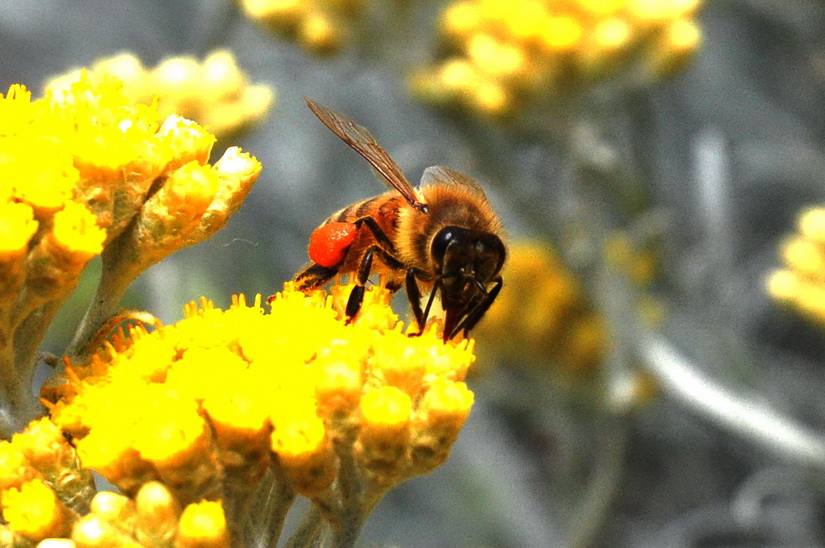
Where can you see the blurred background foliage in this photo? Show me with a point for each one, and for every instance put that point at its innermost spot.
(637, 385)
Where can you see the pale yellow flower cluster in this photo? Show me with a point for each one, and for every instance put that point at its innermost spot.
(247, 410)
(85, 172)
(501, 56)
(215, 92)
(320, 26)
(800, 283)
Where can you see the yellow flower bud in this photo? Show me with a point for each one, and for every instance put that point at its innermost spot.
(17, 226)
(157, 515)
(188, 141)
(319, 34)
(437, 422)
(278, 13)
(92, 531)
(305, 454)
(460, 20)
(811, 225)
(33, 510)
(202, 525)
(116, 509)
(562, 33)
(75, 231)
(14, 467)
(805, 257)
(384, 440)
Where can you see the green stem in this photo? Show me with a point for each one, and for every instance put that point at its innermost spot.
(13, 408)
(115, 277)
(19, 361)
(308, 531)
(267, 513)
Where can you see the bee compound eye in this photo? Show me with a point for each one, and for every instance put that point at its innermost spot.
(442, 240)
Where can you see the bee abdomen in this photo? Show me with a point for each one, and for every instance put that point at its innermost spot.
(352, 211)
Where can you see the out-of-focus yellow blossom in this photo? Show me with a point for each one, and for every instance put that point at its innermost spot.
(214, 92)
(545, 313)
(800, 283)
(501, 58)
(231, 405)
(552, 324)
(84, 171)
(320, 26)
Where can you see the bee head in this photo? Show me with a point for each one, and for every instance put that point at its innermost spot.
(466, 261)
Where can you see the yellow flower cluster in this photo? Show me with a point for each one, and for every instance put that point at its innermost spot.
(250, 409)
(320, 26)
(545, 314)
(501, 56)
(214, 93)
(42, 487)
(800, 283)
(46, 496)
(85, 172)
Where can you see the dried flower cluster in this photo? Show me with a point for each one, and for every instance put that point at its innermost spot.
(500, 57)
(800, 283)
(215, 92)
(320, 26)
(85, 172)
(243, 409)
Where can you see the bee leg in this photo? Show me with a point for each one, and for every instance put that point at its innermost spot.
(314, 276)
(381, 237)
(385, 248)
(414, 296)
(436, 287)
(478, 310)
(356, 297)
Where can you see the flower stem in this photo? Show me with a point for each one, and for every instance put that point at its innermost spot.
(110, 289)
(265, 520)
(740, 414)
(14, 409)
(308, 531)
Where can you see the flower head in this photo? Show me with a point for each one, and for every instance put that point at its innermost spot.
(84, 172)
(224, 400)
(501, 58)
(800, 283)
(321, 27)
(214, 92)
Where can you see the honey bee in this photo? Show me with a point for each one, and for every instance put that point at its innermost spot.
(442, 238)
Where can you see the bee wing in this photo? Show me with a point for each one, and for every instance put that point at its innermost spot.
(446, 175)
(362, 142)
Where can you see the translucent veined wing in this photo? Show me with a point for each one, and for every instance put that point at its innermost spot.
(443, 174)
(362, 142)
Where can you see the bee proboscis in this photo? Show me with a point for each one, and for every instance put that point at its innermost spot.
(442, 237)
